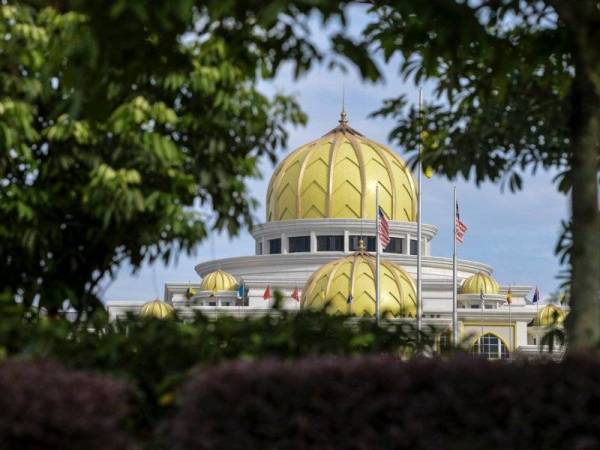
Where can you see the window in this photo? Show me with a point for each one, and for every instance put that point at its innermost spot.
(259, 249)
(413, 246)
(330, 243)
(396, 245)
(490, 347)
(446, 341)
(274, 246)
(212, 303)
(475, 306)
(299, 244)
(369, 242)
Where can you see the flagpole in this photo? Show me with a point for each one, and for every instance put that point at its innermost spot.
(454, 293)
(377, 244)
(510, 330)
(419, 237)
(537, 315)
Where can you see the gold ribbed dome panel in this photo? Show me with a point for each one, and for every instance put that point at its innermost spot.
(331, 284)
(157, 309)
(335, 177)
(219, 280)
(480, 282)
(549, 315)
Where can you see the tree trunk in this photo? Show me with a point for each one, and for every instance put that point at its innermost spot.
(583, 322)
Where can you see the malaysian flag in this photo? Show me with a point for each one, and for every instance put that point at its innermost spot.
(461, 228)
(384, 230)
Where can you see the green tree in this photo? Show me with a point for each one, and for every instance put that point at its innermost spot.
(518, 88)
(127, 129)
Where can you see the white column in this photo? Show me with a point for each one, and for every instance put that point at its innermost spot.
(313, 242)
(419, 233)
(346, 241)
(284, 244)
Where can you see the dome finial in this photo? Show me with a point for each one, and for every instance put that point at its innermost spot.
(343, 115)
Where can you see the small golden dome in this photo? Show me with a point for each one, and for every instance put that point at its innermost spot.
(157, 309)
(335, 177)
(480, 282)
(219, 280)
(549, 315)
(355, 274)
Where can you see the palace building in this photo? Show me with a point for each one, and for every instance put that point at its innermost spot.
(317, 248)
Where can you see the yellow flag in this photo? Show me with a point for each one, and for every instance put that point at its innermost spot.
(428, 171)
(509, 296)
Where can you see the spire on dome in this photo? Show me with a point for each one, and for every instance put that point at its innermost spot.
(343, 115)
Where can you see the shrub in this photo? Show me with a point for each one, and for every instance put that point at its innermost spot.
(156, 355)
(381, 402)
(46, 406)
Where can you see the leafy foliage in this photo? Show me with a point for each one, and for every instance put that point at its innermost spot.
(127, 130)
(503, 78)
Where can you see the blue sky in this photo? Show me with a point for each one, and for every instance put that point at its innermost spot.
(514, 233)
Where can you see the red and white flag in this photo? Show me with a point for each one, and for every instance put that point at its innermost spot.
(296, 294)
(384, 230)
(267, 293)
(461, 228)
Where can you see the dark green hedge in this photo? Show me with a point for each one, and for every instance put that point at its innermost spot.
(380, 402)
(45, 406)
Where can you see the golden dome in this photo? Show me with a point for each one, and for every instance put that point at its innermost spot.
(219, 280)
(549, 315)
(480, 282)
(157, 309)
(335, 177)
(355, 274)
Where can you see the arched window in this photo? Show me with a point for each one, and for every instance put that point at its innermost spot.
(490, 346)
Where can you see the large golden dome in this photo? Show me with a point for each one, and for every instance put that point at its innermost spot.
(480, 283)
(335, 177)
(331, 284)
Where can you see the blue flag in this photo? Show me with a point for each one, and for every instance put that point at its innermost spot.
(241, 291)
(536, 296)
